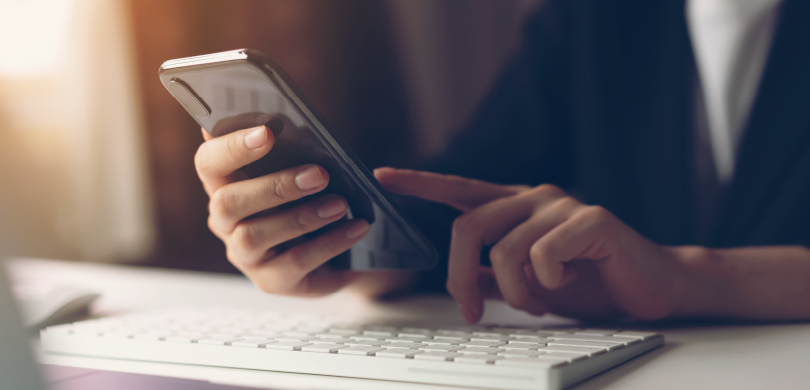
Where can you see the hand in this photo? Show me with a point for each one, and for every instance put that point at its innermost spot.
(267, 244)
(551, 252)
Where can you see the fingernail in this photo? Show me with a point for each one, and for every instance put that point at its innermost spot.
(331, 207)
(308, 178)
(256, 137)
(272, 122)
(359, 228)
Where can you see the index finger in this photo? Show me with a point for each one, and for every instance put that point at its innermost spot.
(218, 158)
(455, 191)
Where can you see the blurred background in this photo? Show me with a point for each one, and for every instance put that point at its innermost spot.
(96, 158)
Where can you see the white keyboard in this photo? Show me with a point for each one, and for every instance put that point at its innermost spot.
(470, 356)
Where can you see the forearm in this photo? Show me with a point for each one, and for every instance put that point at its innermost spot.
(754, 282)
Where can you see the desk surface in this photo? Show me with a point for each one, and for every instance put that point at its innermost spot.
(695, 356)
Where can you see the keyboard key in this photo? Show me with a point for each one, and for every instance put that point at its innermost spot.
(406, 339)
(286, 345)
(607, 339)
(333, 336)
(363, 343)
(490, 333)
(324, 348)
(383, 333)
(560, 331)
(453, 335)
(181, 339)
(254, 343)
(416, 332)
(441, 348)
(437, 356)
(379, 339)
(442, 342)
(223, 335)
(402, 353)
(328, 340)
(263, 332)
(635, 335)
(477, 359)
(568, 348)
(506, 330)
(480, 344)
(596, 332)
(534, 363)
(480, 350)
(347, 331)
(149, 337)
(294, 338)
(492, 340)
(293, 334)
(570, 356)
(524, 346)
(117, 334)
(192, 334)
(87, 332)
(530, 335)
(217, 340)
(518, 353)
(590, 344)
(405, 345)
(533, 340)
(522, 332)
(360, 350)
(463, 328)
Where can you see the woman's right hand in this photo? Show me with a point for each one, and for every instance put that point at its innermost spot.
(270, 248)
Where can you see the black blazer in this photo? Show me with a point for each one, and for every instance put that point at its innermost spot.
(599, 101)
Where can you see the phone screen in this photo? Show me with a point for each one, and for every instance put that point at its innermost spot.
(236, 95)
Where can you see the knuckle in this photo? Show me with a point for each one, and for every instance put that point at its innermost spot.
(214, 227)
(222, 203)
(566, 203)
(540, 253)
(332, 248)
(499, 254)
(466, 224)
(276, 188)
(245, 238)
(293, 267)
(234, 147)
(301, 221)
(200, 158)
(549, 190)
(596, 215)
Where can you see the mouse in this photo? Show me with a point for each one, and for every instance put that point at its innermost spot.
(44, 303)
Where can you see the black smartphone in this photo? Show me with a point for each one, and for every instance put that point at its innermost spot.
(238, 89)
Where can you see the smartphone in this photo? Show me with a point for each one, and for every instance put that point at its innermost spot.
(239, 89)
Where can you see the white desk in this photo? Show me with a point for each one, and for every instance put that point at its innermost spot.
(694, 357)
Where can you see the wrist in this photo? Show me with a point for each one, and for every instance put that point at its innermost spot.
(701, 292)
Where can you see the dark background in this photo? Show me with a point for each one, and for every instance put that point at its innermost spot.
(345, 56)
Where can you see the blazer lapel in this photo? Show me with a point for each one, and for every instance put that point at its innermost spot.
(778, 128)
